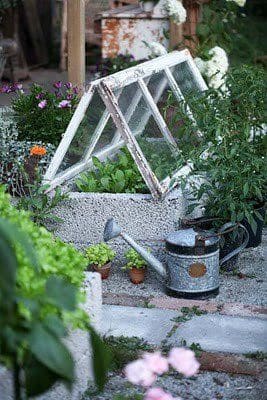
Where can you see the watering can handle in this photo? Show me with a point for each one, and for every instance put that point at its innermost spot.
(224, 228)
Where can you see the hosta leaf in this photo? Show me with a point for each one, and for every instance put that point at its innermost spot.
(61, 293)
(51, 352)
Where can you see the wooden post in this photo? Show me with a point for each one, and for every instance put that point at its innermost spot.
(176, 34)
(76, 42)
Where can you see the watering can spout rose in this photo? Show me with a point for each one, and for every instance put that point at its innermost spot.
(193, 263)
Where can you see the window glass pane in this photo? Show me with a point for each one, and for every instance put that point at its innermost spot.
(185, 78)
(171, 109)
(95, 121)
(160, 154)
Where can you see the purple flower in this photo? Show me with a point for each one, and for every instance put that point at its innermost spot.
(17, 86)
(68, 85)
(39, 96)
(64, 104)
(42, 104)
(69, 96)
(6, 89)
(75, 90)
(57, 84)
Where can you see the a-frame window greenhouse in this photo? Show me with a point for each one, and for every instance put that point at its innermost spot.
(128, 109)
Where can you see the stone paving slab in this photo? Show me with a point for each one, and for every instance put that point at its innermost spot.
(150, 324)
(223, 333)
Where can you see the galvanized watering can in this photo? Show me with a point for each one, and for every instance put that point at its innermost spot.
(193, 263)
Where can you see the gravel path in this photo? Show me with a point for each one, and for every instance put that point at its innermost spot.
(206, 386)
(250, 289)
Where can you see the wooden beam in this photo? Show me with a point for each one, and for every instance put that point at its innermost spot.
(76, 42)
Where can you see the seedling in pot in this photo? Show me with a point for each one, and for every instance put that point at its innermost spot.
(136, 266)
(99, 258)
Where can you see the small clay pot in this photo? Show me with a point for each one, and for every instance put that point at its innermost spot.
(137, 275)
(103, 271)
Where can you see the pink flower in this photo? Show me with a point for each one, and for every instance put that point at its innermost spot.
(42, 104)
(184, 361)
(138, 373)
(156, 362)
(68, 85)
(64, 104)
(57, 85)
(157, 393)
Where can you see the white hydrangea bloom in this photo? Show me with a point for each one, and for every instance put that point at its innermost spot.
(215, 68)
(240, 3)
(176, 10)
(157, 49)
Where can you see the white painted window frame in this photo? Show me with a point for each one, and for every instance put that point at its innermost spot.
(107, 87)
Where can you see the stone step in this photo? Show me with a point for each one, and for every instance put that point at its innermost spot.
(213, 332)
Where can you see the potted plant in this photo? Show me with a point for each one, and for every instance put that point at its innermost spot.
(230, 180)
(148, 5)
(99, 257)
(136, 266)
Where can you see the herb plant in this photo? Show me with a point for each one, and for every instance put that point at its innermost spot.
(113, 176)
(41, 204)
(233, 170)
(134, 260)
(42, 115)
(99, 254)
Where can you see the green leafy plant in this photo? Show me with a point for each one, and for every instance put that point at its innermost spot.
(54, 257)
(232, 175)
(99, 254)
(125, 349)
(41, 204)
(44, 115)
(134, 260)
(32, 345)
(116, 64)
(118, 176)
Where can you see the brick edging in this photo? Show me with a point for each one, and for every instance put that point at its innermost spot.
(170, 303)
(230, 363)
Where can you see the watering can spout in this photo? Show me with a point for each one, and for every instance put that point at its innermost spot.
(113, 230)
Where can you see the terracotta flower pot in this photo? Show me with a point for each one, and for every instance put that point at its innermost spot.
(137, 275)
(103, 271)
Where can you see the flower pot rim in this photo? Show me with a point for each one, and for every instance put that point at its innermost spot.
(102, 267)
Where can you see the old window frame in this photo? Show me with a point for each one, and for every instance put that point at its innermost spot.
(107, 87)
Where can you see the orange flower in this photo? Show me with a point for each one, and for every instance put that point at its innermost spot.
(37, 151)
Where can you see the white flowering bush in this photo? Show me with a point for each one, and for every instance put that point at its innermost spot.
(176, 11)
(215, 68)
(240, 3)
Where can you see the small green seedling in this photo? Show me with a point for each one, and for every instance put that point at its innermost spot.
(99, 254)
(134, 260)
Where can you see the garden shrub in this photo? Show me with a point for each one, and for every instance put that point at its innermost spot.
(44, 115)
(54, 257)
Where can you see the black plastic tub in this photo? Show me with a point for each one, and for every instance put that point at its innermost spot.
(255, 239)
